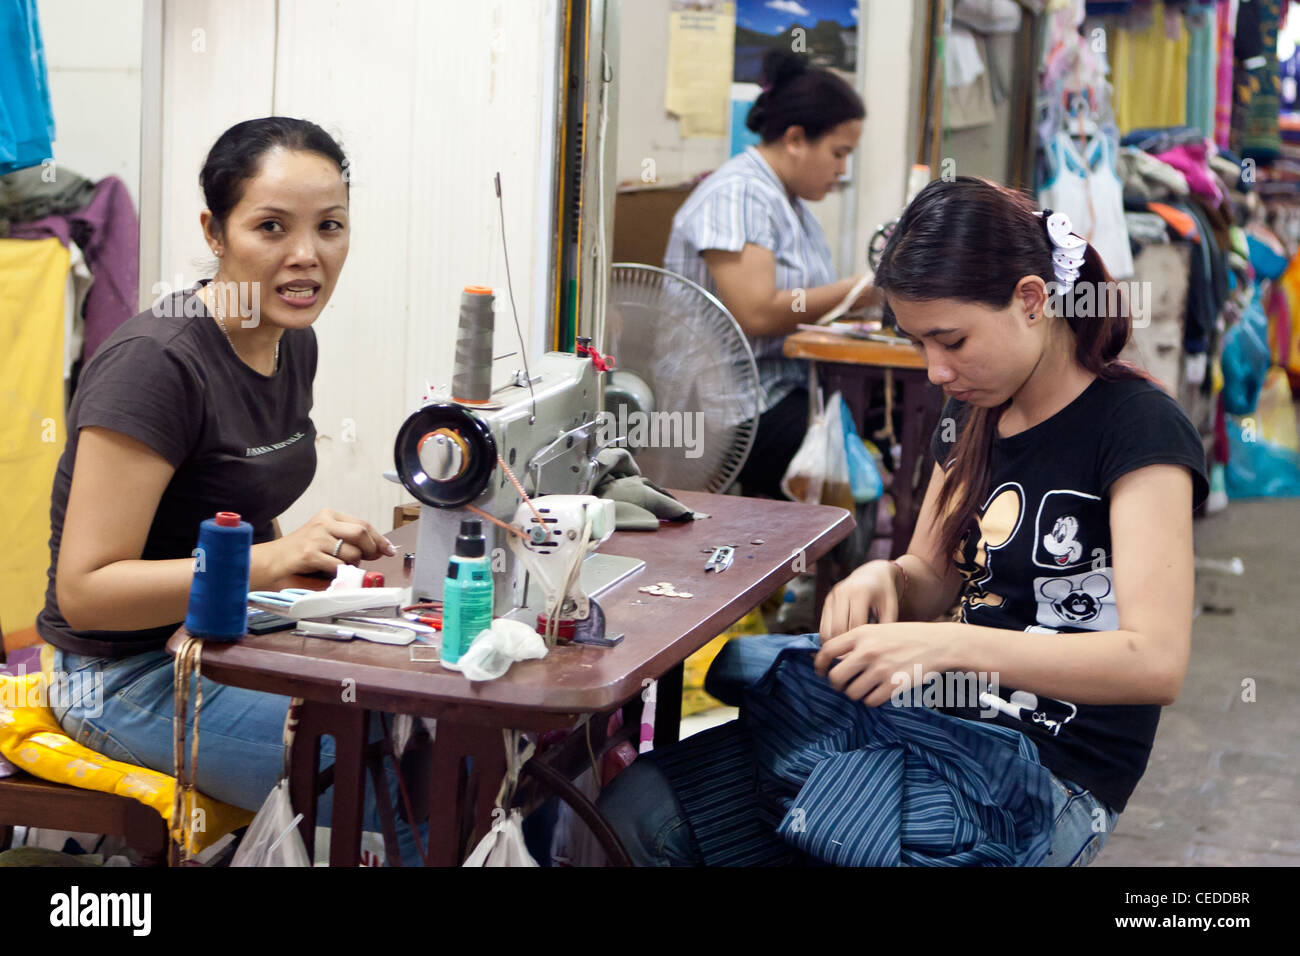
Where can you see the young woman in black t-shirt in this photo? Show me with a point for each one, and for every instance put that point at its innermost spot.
(1059, 511)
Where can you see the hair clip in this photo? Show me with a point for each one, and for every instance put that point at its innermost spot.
(1068, 249)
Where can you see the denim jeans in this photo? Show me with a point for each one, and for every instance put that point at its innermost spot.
(644, 811)
(241, 754)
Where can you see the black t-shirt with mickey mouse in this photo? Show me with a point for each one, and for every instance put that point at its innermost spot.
(1037, 558)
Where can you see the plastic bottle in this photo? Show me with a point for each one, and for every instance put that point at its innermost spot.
(466, 592)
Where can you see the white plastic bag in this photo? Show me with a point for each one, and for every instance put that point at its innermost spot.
(819, 471)
(273, 838)
(496, 648)
(504, 843)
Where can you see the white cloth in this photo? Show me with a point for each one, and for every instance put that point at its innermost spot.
(1086, 187)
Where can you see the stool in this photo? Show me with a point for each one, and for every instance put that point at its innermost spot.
(29, 801)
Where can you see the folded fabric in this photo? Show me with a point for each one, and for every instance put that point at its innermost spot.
(1179, 221)
(1146, 228)
(807, 775)
(108, 233)
(1146, 177)
(639, 504)
(926, 789)
(30, 194)
(1190, 160)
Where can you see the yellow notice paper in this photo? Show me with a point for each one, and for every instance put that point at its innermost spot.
(701, 46)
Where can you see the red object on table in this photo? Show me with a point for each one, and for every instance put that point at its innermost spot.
(373, 579)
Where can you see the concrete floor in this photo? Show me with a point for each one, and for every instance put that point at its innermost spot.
(1223, 784)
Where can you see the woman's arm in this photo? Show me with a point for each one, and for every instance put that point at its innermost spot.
(1144, 662)
(877, 588)
(747, 287)
(102, 584)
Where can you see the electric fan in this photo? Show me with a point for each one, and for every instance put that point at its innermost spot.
(684, 390)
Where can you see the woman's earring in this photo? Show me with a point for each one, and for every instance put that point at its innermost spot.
(1031, 315)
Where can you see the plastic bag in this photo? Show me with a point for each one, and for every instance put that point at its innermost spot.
(1263, 460)
(503, 845)
(864, 477)
(819, 471)
(273, 838)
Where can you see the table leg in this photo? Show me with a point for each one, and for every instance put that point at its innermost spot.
(461, 798)
(668, 707)
(919, 416)
(347, 725)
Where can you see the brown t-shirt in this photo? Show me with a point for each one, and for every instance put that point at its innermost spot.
(239, 440)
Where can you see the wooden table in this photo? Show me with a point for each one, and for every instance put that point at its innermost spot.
(851, 366)
(342, 682)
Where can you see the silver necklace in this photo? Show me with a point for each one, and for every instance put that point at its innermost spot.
(222, 322)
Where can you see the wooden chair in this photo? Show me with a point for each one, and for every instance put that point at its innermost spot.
(31, 802)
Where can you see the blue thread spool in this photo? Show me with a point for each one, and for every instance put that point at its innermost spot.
(219, 592)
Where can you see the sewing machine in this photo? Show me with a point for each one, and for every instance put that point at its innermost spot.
(447, 457)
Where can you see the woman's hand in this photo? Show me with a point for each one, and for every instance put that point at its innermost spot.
(877, 660)
(868, 594)
(310, 549)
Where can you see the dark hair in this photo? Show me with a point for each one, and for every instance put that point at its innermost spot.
(237, 154)
(971, 240)
(795, 94)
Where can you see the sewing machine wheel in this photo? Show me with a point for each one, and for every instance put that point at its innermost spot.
(445, 456)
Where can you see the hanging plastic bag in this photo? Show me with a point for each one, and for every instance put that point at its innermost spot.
(1263, 460)
(273, 838)
(504, 844)
(819, 471)
(864, 478)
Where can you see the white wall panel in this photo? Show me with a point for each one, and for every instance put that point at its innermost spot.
(428, 99)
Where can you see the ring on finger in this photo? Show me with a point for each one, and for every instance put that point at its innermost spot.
(338, 546)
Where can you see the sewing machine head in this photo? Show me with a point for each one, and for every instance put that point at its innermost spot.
(449, 456)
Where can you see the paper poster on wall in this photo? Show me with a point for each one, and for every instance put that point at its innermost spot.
(740, 135)
(700, 38)
(826, 31)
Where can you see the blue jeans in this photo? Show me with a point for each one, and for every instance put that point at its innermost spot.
(644, 811)
(241, 753)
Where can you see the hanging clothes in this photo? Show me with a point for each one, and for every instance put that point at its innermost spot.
(1202, 66)
(108, 233)
(1087, 188)
(31, 417)
(1257, 93)
(1151, 70)
(1226, 26)
(26, 117)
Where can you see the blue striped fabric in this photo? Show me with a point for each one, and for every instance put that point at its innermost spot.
(744, 201)
(836, 782)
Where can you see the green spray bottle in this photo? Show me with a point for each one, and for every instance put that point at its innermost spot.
(466, 592)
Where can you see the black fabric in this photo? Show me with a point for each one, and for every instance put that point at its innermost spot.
(1208, 282)
(781, 431)
(1037, 558)
(239, 440)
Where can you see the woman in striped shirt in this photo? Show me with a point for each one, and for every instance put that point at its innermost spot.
(746, 234)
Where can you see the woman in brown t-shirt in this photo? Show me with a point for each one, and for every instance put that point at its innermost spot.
(197, 405)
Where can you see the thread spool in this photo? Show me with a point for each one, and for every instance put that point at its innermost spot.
(471, 379)
(219, 592)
